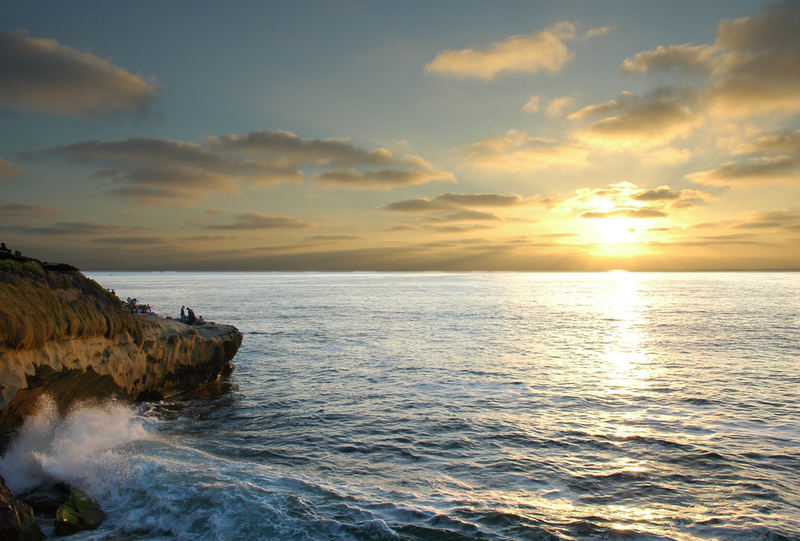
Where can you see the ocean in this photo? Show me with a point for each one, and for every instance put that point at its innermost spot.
(454, 406)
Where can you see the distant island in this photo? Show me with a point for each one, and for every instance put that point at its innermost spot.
(65, 336)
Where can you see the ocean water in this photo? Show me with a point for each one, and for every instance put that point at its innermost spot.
(455, 406)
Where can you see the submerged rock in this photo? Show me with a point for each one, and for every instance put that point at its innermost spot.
(78, 513)
(16, 518)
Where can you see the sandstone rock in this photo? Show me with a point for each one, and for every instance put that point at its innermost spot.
(64, 335)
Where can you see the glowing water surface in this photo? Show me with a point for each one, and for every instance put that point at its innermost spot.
(460, 406)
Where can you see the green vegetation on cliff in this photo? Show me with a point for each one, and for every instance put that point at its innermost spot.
(42, 302)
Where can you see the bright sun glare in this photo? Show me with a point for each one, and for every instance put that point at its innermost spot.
(617, 236)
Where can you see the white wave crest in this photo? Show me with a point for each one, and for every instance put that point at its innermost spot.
(81, 448)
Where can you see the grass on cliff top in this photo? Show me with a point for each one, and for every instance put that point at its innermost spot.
(43, 302)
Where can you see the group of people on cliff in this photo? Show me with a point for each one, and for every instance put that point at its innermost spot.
(133, 306)
(5, 250)
(188, 316)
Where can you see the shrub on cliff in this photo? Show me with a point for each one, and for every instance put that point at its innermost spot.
(39, 303)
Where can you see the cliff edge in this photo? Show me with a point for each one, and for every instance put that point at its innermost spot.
(64, 335)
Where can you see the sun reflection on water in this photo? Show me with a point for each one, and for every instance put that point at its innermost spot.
(623, 358)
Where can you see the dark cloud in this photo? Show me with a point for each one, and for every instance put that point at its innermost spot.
(385, 179)
(758, 171)
(752, 67)
(16, 210)
(458, 228)
(648, 120)
(42, 76)
(8, 169)
(455, 200)
(758, 68)
(287, 145)
(771, 158)
(161, 171)
(481, 199)
(772, 219)
(656, 194)
(131, 241)
(67, 228)
(260, 220)
(331, 238)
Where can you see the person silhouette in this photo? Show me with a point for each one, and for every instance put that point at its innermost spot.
(4, 249)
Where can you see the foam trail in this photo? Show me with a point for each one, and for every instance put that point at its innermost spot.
(78, 449)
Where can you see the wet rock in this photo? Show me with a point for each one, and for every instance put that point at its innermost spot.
(78, 513)
(16, 518)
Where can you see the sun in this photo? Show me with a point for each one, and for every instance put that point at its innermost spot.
(617, 236)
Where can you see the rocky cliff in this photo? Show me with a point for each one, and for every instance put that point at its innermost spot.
(63, 334)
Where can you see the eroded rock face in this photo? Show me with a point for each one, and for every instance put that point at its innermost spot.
(16, 518)
(169, 358)
(64, 335)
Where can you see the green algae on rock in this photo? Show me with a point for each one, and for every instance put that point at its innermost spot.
(78, 513)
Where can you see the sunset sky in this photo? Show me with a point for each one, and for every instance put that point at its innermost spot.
(446, 135)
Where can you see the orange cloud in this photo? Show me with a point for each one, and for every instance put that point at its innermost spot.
(8, 169)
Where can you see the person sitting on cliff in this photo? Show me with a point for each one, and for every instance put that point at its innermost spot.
(4, 249)
(191, 319)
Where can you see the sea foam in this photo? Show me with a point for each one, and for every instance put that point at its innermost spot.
(81, 448)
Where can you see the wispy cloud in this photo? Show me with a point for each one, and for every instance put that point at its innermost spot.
(544, 50)
(559, 106)
(40, 75)
(17, 210)
(448, 201)
(412, 171)
(162, 171)
(517, 151)
(260, 220)
(767, 159)
(8, 169)
(532, 105)
(687, 57)
(289, 146)
(67, 229)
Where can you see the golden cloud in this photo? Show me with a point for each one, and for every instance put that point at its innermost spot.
(543, 50)
(558, 106)
(517, 151)
(625, 199)
(638, 121)
(752, 67)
